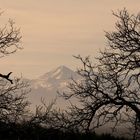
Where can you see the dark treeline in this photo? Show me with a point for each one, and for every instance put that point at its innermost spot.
(13, 131)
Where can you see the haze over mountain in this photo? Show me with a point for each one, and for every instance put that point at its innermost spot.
(47, 85)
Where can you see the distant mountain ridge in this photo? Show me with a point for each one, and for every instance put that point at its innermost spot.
(55, 78)
(47, 85)
(61, 72)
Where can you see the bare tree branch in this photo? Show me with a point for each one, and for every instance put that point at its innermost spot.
(110, 91)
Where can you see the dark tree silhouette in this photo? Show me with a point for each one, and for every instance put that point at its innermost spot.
(12, 97)
(9, 42)
(13, 103)
(9, 39)
(7, 77)
(110, 90)
(49, 117)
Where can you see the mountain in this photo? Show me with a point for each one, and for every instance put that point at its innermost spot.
(47, 85)
(60, 73)
(57, 78)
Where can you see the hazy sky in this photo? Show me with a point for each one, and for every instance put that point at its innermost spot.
(54, 30)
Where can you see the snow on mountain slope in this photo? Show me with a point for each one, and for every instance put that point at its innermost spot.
(62, 72)
(47, 85)
(57, 78)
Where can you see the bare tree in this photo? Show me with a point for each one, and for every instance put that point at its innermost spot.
(12, 97)
(110, 91)
(48, 117)
(13, 103)
(9, 38)
(9, 42)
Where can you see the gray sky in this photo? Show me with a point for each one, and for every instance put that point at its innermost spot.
(54, 30)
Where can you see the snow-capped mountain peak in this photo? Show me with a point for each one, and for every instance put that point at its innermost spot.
(47, 85)
(57, 78)
(60, 73)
